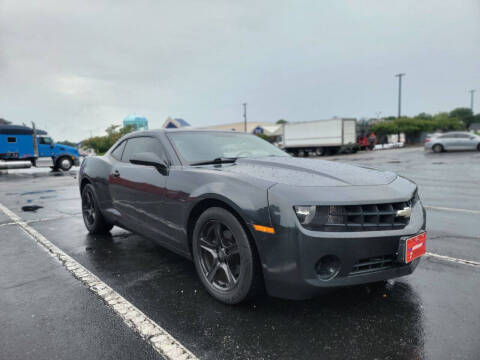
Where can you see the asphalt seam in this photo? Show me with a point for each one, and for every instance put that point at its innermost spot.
(162, 342)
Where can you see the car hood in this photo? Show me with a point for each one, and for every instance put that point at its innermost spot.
(308, 172)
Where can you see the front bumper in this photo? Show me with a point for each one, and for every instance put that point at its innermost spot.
(289, 257)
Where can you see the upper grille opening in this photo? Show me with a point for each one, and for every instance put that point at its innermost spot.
(369, 217)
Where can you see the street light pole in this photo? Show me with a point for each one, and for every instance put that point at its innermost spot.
(245, 117)
(400, 93)
(472, 92)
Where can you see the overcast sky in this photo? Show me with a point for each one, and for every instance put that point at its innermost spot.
(74, 67)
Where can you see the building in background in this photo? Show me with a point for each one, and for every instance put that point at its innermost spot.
(174, 123)
(252, 127)
(140, 122)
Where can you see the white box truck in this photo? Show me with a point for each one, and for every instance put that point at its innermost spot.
(320, 137)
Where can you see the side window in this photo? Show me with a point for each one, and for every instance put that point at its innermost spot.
(117, 153)
(140, 145)
(447, 136)
(44, 140)
(11, 139)
(462, 136)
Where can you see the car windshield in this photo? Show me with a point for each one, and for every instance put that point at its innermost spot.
(207, 146)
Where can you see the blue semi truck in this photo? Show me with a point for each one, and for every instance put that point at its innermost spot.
(28, 144)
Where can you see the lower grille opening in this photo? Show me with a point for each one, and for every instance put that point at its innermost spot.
(373, 264)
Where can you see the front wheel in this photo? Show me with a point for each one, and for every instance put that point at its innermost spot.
(64, 163)
(478, 147)
(224, 258)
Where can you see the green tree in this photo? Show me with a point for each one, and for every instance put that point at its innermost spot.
(413, 127)
(281, 121)
(464, 114)
(101, 144)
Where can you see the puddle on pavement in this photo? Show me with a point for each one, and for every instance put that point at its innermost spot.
(32, 208)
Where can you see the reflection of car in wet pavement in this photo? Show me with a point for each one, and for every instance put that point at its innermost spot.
(452, 141)
(250, 215)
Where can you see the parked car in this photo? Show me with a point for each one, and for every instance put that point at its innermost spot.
(251, 217)
(452, 141)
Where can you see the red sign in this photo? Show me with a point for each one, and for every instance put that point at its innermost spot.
(415, 247)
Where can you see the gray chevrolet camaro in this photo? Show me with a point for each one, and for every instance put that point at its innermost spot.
(251, 217)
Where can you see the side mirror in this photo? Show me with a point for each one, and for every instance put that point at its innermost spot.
(150, 159)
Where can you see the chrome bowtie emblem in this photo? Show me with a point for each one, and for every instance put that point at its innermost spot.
(405, 212)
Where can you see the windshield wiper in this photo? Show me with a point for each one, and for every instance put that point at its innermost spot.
(219, 160)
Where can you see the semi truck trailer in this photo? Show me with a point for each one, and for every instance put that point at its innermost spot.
(320, 137)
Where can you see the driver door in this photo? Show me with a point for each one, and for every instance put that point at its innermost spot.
(138, 191)
(44, 146)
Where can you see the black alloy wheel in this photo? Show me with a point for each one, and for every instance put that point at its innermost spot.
(93, 219)
(219, 255)
(88, 208)
(225, 260)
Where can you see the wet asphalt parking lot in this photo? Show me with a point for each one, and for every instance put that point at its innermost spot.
(46, 313)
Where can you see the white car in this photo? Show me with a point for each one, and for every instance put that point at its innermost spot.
(452, 141)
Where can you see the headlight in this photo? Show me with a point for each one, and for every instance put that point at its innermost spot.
(305, 214)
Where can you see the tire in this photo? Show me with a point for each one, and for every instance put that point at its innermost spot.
(92, 217)
(224, 258)
(437, 148)
(478, 147)
(320, 151)
(64, 163)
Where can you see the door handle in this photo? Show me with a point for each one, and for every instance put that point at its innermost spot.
(116, 173)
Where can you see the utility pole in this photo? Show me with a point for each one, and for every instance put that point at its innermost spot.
(245, 117)
(471, 98)
(400, 93)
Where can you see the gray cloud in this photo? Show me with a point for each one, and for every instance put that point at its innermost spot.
(76, 67)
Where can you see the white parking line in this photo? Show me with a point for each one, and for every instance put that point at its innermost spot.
(452, 209)
(452, 259)
(164, 343)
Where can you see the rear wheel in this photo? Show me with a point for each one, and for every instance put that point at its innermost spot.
(92, 217)
(437, 148)
(478, 147)
(224, 258)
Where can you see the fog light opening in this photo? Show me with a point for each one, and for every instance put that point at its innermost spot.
(328, 267)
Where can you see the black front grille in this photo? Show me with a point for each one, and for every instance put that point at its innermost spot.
(369, 217)
(373, 264)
